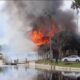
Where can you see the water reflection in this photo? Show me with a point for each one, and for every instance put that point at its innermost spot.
(59, 75)
(24, 73)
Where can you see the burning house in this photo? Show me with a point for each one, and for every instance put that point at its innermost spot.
(46, 19)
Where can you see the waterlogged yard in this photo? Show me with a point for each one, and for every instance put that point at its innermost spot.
(25, 73)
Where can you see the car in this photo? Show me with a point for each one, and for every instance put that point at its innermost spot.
(72, 58)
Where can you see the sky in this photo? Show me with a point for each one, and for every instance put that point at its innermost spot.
(4, 32)
(3, 19)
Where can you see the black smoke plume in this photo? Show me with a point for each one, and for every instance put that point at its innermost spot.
(31, 10)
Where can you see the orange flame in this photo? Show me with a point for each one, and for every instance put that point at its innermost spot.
(42, 35)
(39, 38)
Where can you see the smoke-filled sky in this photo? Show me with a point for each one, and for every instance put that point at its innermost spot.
(16, 18)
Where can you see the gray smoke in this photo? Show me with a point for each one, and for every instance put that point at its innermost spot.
(29, 10)
(25, 13)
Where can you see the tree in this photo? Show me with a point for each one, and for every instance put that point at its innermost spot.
(61, 43)
(60, 39)
(64, 41)
(76, 4)
(43, 51)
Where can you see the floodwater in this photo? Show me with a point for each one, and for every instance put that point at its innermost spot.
(24, 73)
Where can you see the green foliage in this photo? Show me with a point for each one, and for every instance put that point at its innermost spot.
(60, 63)
(76, 4)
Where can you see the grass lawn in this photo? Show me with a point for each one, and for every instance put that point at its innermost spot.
(67, 64)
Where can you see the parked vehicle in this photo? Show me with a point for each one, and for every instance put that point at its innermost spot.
(72, 58)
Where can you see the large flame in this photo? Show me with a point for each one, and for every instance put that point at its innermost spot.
(40, 38)
(44, 31)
